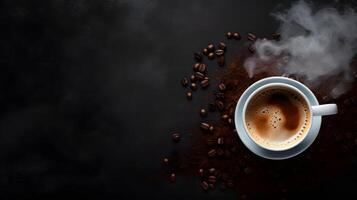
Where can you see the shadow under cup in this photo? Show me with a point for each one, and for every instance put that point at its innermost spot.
(277, 116)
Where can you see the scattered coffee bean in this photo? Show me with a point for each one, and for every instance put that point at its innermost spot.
(251, 37)
(204, 185)
(193, 78)
(220, 140)
(229, 35)
(212, 170)
(219, 52)
(211, 186)
(184, 82)
(210, 48)
(221, 61)
(200, 172)
(205, 126)
(237, 36)
(230, 121)
(196, 67)
(222, 46)
(175, 137)
(212, 107)
(198, 57)
(166, 161)
(172, 177)
(211, 56)
(220, 152)
(251, 48)
(204, 83)
(211, 141)
(230, 184)
(205, 51)
(222, 87)
(202, 68)
(203, 112)
(276, 36)
(193, 86)
(212, 179)
(212, 153)
(211, 128)
(199, 76)
(247, 170)
(219, 95)
(189, 95)
(220, 105)
(225, 117)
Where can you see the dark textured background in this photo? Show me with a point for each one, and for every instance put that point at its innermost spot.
(89, 91)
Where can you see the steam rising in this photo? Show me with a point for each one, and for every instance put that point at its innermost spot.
(313, 45)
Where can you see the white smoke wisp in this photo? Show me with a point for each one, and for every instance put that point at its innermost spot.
(313, 44)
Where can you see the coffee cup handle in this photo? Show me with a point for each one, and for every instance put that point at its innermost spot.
(325, 109)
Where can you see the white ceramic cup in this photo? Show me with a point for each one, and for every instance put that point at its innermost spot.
(315, 110)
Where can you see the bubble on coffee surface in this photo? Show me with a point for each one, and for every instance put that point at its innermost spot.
(277, 118)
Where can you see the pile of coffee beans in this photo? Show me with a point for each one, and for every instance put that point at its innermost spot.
(218, 157)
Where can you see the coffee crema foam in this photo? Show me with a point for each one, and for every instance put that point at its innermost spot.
(277, 118)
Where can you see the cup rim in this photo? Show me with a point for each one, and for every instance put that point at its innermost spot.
(272, 85)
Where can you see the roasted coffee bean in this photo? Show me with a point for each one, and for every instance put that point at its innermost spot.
(230, 121)
(184, 82)
(212, 153)
(202, 68)
(204, 83)
(219, 95)
(225, 117)
(193, 78)
(230, 184)
(222, 87)
(210, 48)
(220, 140)
(220, 105)
(221, 61)
(229, 35)
(220, 152)
(196, 67)
(211, 186)
(200, 172)
(205, 51)
(172, 177)
(247, 170)
(251, 37)
(212, 107)
(211, 56)
(175, 137)
(166, 161)
(237, 36)
(204, 185)
(219, 52)
(212, 179)
(198, 57)
(189, 95)
(212, 170)
(203, 112)
(193, 86)
(251, 48)
(211, 128)
(211, 141)
(199, 76)
(222, 46)
(205, 126)
(276, 36)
